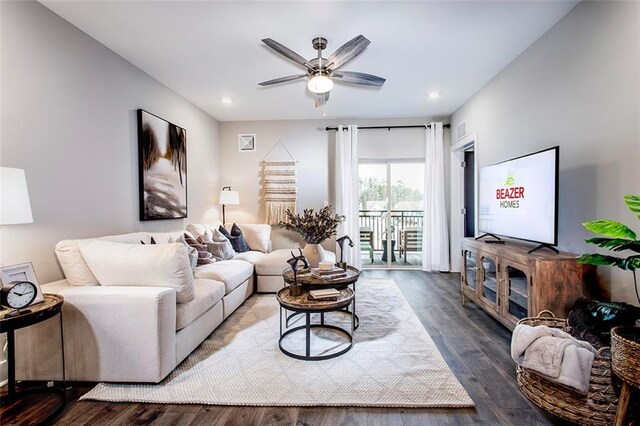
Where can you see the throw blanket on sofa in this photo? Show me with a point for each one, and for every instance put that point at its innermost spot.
(554, 354)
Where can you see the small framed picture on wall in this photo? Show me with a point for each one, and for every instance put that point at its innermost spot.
(246, 142)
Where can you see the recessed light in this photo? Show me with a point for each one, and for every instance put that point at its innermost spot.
(434, 95)
(226, 101)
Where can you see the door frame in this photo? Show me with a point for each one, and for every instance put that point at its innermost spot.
(457, 194)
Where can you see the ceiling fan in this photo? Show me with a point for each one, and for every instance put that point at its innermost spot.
(320, 71)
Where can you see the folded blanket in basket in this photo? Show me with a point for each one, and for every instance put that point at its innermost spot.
(554, 354)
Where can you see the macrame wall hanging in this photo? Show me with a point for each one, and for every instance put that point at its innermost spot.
(280, 192)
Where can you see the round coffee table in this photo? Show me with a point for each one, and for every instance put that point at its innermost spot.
(304, 305)
(309, 282)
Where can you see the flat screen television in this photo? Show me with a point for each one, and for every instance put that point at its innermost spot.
(518, 198)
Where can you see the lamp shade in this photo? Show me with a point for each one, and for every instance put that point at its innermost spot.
(229, 198)
(14, 197)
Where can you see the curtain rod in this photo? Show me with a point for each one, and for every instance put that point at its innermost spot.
(410, 126)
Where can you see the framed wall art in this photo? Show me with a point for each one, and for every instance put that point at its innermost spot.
(246, 142)
(162, 165)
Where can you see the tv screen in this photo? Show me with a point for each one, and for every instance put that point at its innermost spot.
(518, 197)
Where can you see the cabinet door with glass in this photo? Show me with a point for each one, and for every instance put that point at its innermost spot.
(516, 284)
(469, 272)
(488, 283)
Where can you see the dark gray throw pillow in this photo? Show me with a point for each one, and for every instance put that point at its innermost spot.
(237, 232)
(236, 238)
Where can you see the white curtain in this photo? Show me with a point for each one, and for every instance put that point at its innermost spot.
(435, 236)
(346, 187)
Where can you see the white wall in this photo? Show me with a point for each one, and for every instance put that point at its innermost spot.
(576, 87)
(69, 119)
(313, 148)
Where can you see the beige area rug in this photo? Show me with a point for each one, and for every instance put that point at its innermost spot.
(393, 363)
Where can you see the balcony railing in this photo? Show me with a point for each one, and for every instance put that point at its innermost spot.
(377, 220)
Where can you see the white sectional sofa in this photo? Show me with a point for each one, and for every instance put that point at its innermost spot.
(133, 333)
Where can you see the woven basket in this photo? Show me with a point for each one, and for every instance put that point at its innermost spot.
(626, 354)
(598, 407)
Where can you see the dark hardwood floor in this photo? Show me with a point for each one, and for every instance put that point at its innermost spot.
(475, 346)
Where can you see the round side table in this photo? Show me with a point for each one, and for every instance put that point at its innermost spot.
(304, 305)
(309, 282)
(9, 323)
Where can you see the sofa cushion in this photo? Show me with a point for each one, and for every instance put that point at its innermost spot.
(193, 252)
(258, 236)
(231, 272)
(273, 263)
(159, 265)
(73, 265)
(250, 256)
(206, 294)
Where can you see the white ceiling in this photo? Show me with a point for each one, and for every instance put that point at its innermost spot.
(209, 50)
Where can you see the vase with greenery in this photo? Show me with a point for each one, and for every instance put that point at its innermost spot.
(315, 228)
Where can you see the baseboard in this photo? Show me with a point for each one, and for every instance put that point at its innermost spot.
(3, 373)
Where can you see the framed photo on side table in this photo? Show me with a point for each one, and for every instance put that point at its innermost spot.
(21, 272)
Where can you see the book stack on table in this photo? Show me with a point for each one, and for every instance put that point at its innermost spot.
(328, 274)
(324, 294)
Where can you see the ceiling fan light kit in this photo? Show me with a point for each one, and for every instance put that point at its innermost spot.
(320, 84)
(322, 71)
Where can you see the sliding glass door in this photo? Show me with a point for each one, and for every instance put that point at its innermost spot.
(391, 213)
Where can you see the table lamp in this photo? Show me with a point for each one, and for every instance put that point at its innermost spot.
(228, 198)
(15, 207)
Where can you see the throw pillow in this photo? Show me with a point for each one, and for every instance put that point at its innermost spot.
(193, 253)
(204, 257)
(242, 242)
(257, 236)
(205, 238)
(236, 238)
(221, 250)
(218, 236)
(153, 241)
(156, 265)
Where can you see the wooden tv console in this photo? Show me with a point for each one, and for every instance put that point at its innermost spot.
(510, 284)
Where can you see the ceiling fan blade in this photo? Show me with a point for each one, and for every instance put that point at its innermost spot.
(282, 79)
(347, 52)
(359, 78)
(321, 99)
(286, 52)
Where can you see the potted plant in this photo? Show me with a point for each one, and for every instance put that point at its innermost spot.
(617, 237)
(314, 227)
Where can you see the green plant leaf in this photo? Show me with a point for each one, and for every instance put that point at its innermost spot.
(615, 244)
(633, 202)
(610, 228)
(600, 260)
(631, 263)
(606, 311)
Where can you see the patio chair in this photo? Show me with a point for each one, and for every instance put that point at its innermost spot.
(410, 240)
(366, 240)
